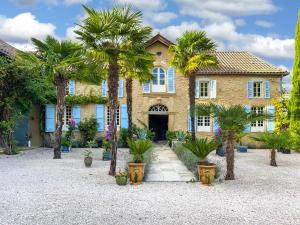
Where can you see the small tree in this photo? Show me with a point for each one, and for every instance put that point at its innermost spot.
(88, 130)
(274, 141)
(233, 120)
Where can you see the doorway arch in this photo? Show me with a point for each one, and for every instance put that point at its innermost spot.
(158, 121)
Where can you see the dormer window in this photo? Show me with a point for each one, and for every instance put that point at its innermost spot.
(158, 82)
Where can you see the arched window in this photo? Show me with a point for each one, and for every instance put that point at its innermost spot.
(158, 109)
(159, 76)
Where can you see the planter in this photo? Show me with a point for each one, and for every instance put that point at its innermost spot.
(220, 151)
(207, 173)
(106, 156)
(121, 180)
(65, 148)
(136, 172)
(285, 151)
(242, 148)
(88, 161)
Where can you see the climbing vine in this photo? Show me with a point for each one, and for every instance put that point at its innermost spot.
(282, 114)
(85, 99)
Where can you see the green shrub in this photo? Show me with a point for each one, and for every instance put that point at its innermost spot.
(88, 130)
(170, 136)
(65, 141)
(201, 147)
(123, 138)
(188, 158)
(138, 148)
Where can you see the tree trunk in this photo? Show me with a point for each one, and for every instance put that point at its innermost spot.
(60, 83)
(230, 156)
(273, 158)
(129, 105)
(113, 78)
(192, 81)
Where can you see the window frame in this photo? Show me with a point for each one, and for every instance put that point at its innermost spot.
(207, 83)
(203, 120)
(66, 117)
(258, 125)
(255, 89)
(107, 117)
(160, 77)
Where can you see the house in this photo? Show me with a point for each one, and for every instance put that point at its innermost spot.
(163, 103)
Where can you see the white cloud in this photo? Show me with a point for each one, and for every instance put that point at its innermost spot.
(287, 80)
(217, 9)
(240, 22)
(19, 29)
(73, 2)
(160, 17)
(144, 4)
(263, 23)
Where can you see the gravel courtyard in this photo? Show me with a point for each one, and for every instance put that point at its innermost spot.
(35, 189)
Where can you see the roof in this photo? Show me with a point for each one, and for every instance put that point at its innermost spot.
(241, 63)
(7, 49)
(159, 38)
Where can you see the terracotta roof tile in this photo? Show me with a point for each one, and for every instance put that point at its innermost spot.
(7, 49)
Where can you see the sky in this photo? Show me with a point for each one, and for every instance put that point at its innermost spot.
(263, 27)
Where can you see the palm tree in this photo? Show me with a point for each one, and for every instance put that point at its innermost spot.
(60, 61)
(233, 120)
(274, 141)
(189, 55)
(109, 34)
(138, 66)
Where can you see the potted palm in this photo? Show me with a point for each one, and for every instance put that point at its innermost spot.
(136, 168)
(201, 148)
(240, 147)
(121, 178)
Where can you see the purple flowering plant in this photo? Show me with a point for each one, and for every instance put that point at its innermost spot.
(218, 137)
(71, 128)
(108, 137)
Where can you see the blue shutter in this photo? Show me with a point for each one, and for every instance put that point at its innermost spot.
(120, 88)
(248, 126)
(71, 87)
(270, 121)
(197, 89)
(146, 87)
(50, 118)
(267, 89)
(124, 116)
(215, 125)
(213, 89)
(76, 114)
(100, 117)
(104, 88)
(171, 80)
(189, 121)
(250, 89)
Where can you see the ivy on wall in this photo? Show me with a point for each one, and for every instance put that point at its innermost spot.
(84, 99)
(282, 114)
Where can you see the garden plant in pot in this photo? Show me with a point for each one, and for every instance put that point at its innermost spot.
(218, 141)
(88, 159)
(201, 148)
(121, 178)
(136, 168)
(66, 142)
(240, 147)
(107, 155)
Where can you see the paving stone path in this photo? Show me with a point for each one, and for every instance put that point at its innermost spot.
(167, 167)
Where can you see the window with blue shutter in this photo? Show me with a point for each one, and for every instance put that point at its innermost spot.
(71, 87)
(197, 89)
(270, 121)
(124, 116)
(146, 87)
(213, 89)
(104, 88)
(250, 89)
(120, 88)
(76, 113)
(171, 80)
(267, 89)
(248, 126)
(100, 117)
(50, 118)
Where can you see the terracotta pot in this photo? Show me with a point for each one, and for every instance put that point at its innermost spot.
(201, 162)
(136, 172)
(207, 173)
(88, 161)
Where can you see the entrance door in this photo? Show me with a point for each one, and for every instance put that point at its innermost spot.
(159, 124)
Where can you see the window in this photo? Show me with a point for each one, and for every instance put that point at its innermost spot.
(257, 89)
(257, 126)
(203, 123)
(158, 82)
(67, 116)
(203, 89)
(108, 118)
(67, 91)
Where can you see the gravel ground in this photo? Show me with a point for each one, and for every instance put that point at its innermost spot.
(35, 189)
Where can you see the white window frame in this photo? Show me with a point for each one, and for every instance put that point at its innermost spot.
(207, 88)
(261, 89)
(259, 125)
(107, 115)
(159, 87)
(65, 126)
(203, 120)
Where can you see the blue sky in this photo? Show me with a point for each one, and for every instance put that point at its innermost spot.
(263, 27)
